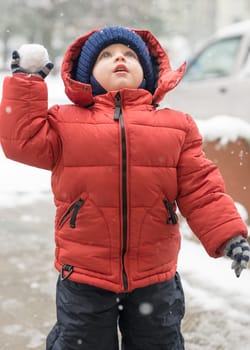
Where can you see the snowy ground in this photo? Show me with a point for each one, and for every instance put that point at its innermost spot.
(217, 303)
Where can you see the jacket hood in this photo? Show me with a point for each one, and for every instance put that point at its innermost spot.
(81, 93)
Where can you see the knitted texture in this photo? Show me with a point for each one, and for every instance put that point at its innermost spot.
(239, 251)
(108, 36)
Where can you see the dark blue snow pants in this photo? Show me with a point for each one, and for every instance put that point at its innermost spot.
(149, 318)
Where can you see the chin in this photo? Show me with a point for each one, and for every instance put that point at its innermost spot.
(122, 86)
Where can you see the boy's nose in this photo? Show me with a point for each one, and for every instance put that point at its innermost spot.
(119, 57)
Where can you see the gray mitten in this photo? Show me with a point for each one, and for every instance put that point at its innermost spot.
(238, 250)
(31, 59)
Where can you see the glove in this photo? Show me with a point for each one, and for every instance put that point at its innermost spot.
(239, 251)
(31, 59)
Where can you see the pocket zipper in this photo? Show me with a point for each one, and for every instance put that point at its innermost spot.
(74, 208)
(173, 219)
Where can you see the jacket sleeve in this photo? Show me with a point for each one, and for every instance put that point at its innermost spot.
(26, 133)
(210, 212)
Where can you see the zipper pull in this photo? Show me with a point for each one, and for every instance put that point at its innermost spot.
(173, 217)
(75, 210)
(117, 106)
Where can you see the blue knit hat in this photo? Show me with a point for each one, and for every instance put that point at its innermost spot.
(108, 36)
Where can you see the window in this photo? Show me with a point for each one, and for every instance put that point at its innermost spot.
(215, 61)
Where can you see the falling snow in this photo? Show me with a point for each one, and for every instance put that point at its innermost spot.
(217, 303)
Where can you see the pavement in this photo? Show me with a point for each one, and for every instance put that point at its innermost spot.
(27, 287)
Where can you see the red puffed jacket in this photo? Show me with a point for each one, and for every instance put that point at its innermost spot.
(120, 167)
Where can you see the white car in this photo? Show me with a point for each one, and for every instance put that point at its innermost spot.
(217, 80)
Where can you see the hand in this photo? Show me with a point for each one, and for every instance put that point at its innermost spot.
(31, 59)
(239, 251)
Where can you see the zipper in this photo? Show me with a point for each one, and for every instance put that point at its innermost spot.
(172, 219)
(119, 117)
(73, 211)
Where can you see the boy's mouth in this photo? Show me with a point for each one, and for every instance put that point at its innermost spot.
(120, 68)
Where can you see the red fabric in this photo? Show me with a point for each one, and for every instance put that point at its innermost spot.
(83, 149)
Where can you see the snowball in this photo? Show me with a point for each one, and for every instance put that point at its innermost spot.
(33, 57)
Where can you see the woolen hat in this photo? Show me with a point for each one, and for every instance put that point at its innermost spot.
(108, 36)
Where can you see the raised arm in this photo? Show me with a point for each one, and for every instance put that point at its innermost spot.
(26, 133)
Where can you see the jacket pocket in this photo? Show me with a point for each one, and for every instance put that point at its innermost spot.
(83, 236)
(71, 213)
(159, 238)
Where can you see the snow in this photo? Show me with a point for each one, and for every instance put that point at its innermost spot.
(224, 128)
(209, 284)
(213, 275)
(15, 190)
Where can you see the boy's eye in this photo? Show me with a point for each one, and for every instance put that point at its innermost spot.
(131, 53)
(105, 54)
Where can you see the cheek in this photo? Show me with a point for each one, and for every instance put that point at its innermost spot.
(138, 74)
(98, 72)
(102, 75)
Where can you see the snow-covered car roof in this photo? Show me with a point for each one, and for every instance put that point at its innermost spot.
(234, 29)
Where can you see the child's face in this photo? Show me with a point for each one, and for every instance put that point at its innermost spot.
(117, 67)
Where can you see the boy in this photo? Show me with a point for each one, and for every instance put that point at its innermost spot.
(120, 166)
